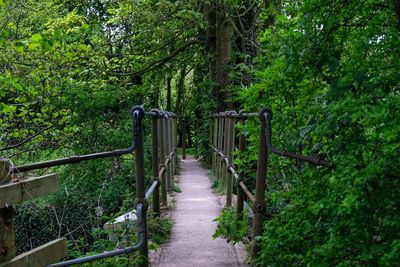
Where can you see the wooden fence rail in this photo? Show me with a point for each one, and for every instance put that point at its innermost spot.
(164, 162)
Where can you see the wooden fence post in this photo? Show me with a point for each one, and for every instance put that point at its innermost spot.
(155, 162)
(163, 177)
(259, 205)
(215, 139)
(7, 234)
(168, 150)
(240, 193)
(229, 154)
(176, 145)
(225, 171)
(173, 148)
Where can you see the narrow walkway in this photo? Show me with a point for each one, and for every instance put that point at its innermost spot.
(196, 208)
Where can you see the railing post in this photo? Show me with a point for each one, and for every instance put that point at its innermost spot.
(259, 205)
(183, 131)
(229, 149)
(140, 178)
(171, 164)
(155, 162)
(175, 145)
(240, 193)
(210, 137)
(163, 177)
(166, 149)
(219, 138)
(217, 159)
(225, 171)
(215, 139)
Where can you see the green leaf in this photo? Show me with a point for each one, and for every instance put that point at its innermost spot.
(36, 37)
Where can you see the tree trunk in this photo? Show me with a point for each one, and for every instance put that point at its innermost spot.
(397, 11)
(169, 101)
(223, 56)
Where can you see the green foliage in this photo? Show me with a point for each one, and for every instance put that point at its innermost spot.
(175, 188)
(71, 70)
(160, 229)
(217, 185)
(229, 227)
(329, 73)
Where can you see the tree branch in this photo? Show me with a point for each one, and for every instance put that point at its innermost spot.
(158, 63)
(26, 140)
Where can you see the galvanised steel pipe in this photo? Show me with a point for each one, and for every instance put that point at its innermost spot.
(242, 115)
(268, 136)
(247, 191)
(140, 184)
(76, 159)
(154, 114)
(138, 245)
(152, 189)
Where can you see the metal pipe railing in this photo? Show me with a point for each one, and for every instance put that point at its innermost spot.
(163, 150)
(268, 136)
(221, 137)
(76, 159)
(139, 244)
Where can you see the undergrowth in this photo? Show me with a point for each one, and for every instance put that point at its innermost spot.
(229, 227)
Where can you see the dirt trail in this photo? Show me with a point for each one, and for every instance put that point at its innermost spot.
(191, 243)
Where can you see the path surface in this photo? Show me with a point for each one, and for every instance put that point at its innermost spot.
(191, 243)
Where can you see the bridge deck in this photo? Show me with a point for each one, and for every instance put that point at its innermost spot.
(191, 243)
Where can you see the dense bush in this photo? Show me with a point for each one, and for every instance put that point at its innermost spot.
(329, 72)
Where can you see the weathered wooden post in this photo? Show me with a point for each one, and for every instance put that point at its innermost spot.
(229, 154)
(155, 162)
(183, 131)
(140, 178)
(7, 234)
(219, 146)
(221, 140)
(173, 147)
(171, 169)
(215, 140)
(240, 193)
(176, 163)
(166, 149)
(259, 205)
(163, 177)
(210, 138)
(226, 147)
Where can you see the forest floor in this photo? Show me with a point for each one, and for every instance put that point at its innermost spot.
(191, 242)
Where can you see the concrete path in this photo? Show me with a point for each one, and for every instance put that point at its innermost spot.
(191, 243)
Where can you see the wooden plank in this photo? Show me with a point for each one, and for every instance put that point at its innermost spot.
(29, 189)
(51, 252)
(7, 234)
